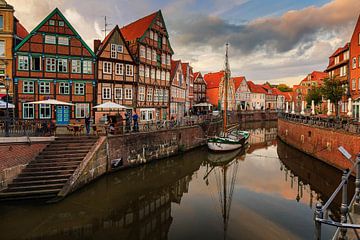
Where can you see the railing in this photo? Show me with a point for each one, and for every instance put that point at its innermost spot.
(346, 124)
(321, 216)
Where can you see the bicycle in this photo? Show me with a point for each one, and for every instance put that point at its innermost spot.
(161, 124)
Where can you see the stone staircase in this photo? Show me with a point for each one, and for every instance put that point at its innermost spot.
(45, 176)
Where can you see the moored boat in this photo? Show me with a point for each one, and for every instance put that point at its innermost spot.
(225, 143)
(236, 134)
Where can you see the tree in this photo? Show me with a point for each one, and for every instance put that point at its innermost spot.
(284, 88)
(332, 89)
(314, 94)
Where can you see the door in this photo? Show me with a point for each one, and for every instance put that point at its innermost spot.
(62, 115)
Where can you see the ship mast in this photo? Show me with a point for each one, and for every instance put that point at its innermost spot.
(226, 83)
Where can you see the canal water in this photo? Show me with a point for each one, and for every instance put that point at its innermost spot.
(266, 192)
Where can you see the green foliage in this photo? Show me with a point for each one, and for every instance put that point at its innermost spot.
(314, 94)
(284, 88)
(332, 89)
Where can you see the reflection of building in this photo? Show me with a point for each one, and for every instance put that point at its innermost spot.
(54, 62)
(11, 33)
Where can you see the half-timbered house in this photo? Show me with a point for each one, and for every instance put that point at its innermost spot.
(53, 62)
(199, 88)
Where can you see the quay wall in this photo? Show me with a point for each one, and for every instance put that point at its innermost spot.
(255, 116)
(320, 142)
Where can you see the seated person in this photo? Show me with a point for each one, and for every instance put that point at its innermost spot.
(111, 129)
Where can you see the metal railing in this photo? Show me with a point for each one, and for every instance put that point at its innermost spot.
(341, 123)
(321, 216)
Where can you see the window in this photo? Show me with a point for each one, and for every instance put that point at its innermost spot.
(166, 95)
(63, 41)
(120, 48)
(129, 70)
(146, 115)
(1, 22)
(147, 71)
(353, 84)
(62, 65)
(158, 74)
(50, 64)
(61, 23)
(164, 40)
(118, 93)
(28, 87)
(163, 58)
(44, 111)
(106, 93)
(28, 111)
(2, 48)
(119, 69)
(155, 36)
(87, 68)
(51, 22)
(359, 83)
(75, 66)
(107, 67)
(156, 95)
(354, 63)
(64, 88)
(343, 71)
(81, 110)
(151, 34)
(142, 51)
(23, 63)
(35, 63)
(113, 51)
(346, 55)
(141, 93)
(162, 75)
(153, 55)
(141, 70)
(149, 94)
(168, 59)
(148, 53)
(128, 93)
(153, 73)
(50, 39)
(167, 76)
(336, 59)
(44, 87)
(79, 88)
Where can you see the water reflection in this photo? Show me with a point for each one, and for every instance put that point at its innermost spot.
(268, 192)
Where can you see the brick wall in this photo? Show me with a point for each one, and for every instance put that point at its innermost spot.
(321, 143)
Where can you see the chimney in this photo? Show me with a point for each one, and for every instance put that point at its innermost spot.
(97, 43)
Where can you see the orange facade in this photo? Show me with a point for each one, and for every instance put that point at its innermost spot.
(355, 62)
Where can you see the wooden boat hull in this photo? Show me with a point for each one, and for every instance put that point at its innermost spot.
(224, 144)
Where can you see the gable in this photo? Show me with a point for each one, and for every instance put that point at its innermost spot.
(55, 24)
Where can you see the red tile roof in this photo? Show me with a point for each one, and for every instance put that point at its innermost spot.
(254, 88)
(336, 53)
(137, 29)
(106, 39)
(316, 76)
(184, 67)
(213, 79)
(20, 30)
(196, 75)
(238, 81)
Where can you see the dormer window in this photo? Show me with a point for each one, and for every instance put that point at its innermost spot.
(61, 23)
(51, 22)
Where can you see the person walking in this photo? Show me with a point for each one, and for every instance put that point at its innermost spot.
(136, 124)
(87, 125)
(127, 121)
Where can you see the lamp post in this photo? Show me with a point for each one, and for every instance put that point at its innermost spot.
(7, 86)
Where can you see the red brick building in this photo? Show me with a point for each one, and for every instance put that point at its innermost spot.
(355, 70)
(149, 43)
(177, 90)
(116, 73)
(199, 88)
(53, 62)
(189, 79)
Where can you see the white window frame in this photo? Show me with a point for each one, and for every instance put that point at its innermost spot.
(142, 52)
(65, 86)
(44, 107)
(106, 93)
(27, 108)
(118, 93)
(107, 67)
(81, 110)
(153, 55)
(354, 62)
(23, 63)
(141, 93)
(353, 84)
(79, 89)
(128, 93)
(147, 71)
(148, 53)
(32, 61)
(113, 51)
(76, 66)
(28, 87)
(44, 87)
(87, 67)
(63, 41)
(153, 72)
(119, 69)
(119, 48)
(149, 95)
(50, 64)
(141, 70)
(129, 70)
(2, 48)
(62, 65)
(50, 39)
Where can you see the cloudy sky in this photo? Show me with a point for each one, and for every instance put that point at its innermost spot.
(270, 40)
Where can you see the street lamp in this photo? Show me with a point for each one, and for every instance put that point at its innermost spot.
(7, 86)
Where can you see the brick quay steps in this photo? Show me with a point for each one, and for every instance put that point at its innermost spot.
(45, 176)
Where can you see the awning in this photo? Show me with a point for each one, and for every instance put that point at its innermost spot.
(3, 105)
(203, 105)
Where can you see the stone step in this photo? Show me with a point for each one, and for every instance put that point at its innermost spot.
(29, 194)
(17, 183)
(51, 168)
(45, 173)
(66, 145)
(64, 151)
(57, 141)
(53, 163)
(34, 187)
(61, 156)
(42, 177)
(57, 160)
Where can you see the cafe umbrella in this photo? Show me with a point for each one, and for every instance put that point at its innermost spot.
(111, 105)
(52, 102)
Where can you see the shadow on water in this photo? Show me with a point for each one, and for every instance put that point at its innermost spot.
(197, 195)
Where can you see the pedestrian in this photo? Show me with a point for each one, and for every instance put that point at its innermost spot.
(136, 124)
(127, 122)
(87, 124)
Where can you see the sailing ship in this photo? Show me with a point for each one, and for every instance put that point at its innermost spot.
(228, 141)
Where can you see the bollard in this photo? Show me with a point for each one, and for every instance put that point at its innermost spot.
(318, 214)
(344, 205)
